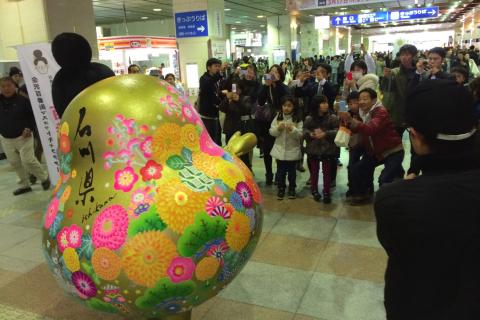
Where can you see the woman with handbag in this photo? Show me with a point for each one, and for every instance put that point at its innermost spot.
(269, 104)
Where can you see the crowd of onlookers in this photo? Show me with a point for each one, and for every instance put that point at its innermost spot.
(296, 110)
(427, 214)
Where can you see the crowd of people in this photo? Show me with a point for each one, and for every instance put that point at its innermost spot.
(427, 220)
(296, 109)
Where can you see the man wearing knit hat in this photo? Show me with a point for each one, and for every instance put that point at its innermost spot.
(429, 226)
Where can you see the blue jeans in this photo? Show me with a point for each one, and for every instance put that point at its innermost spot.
(362, 171)
(284, 168)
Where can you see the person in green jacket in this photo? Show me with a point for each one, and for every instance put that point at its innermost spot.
(395, 85)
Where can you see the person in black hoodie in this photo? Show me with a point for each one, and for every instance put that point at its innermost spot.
(16, 135)
(269, 101)
(429, 226)
(209, 100)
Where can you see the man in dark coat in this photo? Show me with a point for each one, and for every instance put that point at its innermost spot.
(430, 226)
(209, 100)
(16, 135)
(320, 85)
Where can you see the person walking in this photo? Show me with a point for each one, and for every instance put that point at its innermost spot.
(16, 134)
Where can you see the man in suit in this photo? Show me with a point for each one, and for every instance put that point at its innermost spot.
(320, 85)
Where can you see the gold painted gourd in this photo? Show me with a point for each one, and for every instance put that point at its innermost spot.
(150, 217)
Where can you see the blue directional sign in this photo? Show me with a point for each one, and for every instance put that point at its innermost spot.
(191, 24)
(416, 13)
(386, 16)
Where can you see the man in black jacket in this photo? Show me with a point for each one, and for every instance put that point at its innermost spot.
(209, 100)
(16, 127)
(430, 226)
(320, 85)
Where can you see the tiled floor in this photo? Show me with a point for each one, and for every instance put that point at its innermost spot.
(314, 261)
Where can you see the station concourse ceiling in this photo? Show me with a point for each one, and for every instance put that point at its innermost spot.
(251, 14)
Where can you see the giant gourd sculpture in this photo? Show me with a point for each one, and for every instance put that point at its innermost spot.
(150, 217)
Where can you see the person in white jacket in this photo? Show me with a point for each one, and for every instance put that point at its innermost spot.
(474, 72)
(361, 79)
(287, 128)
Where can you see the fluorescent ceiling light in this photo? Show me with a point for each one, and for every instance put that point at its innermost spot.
(227, 9)
(262, 25)
(144, 18)
(260, 17)
(238, 22)
(157, 9)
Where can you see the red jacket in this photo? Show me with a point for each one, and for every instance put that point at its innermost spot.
(378, 133)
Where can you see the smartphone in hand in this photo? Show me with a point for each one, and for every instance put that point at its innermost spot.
(350, 76)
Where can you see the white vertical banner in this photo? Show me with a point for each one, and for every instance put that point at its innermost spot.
(39, 68)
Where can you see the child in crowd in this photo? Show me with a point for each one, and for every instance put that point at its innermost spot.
(354, 147)
(287, 128)
(461, 75)
(320, 129)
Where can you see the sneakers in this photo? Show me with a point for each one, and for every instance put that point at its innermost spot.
(316, 196)
(292, 194)
(20, 191)
(327, 198)
(280, 194)
(46, 184)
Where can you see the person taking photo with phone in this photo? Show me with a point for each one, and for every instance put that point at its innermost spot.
(238, 114)
(269, 104)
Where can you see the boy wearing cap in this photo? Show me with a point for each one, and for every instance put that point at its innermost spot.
(429, 226)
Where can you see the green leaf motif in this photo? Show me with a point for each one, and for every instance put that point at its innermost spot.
(55, 227)
(148, 221)
(205, 229)
(196, 180)
(187, 155)
(164, 290)
(99, 305)
(87, 247)
(176, 162)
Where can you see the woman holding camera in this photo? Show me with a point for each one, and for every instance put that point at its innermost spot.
(269, 103)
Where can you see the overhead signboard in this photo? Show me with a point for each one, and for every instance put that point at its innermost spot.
(386, 16)
(315, 4)
(191, 24)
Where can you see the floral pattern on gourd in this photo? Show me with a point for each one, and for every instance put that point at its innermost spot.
(191, 222)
